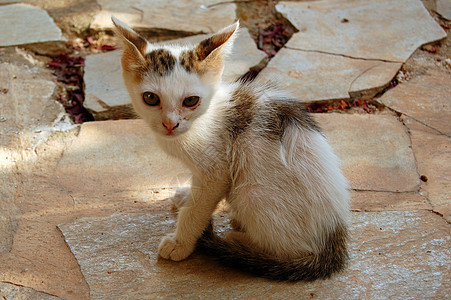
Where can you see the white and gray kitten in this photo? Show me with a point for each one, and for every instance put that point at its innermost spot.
(248, 143)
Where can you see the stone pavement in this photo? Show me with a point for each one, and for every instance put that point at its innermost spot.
(83, 207)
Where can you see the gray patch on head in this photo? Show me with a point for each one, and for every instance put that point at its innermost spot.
(160, 61)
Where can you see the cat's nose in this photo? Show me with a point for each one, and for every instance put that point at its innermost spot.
(170, 126)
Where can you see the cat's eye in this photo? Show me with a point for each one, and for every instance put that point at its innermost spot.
(191, 101)
(151, 99)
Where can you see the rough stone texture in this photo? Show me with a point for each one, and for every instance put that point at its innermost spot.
(27, 109)
(11, 291)
(391, 253)
(27, 24)
(425, 98)
(433, 153)
(34, 131)
(386, 30)
(114, 156)
(198, 16)
(375, 151)
(387, 201)
(444, 8)
(314, 76)
(107, 97)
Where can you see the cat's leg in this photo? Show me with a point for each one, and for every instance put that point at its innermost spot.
(181, 196)
(193, 218)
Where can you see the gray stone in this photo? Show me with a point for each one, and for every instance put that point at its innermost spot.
(106, 95)
(27, 24)
(198, 16)
(375, 151)
(115, 156)
(314, 76)
(425, 98)
(444, 8)
(392, 255)
(11, 291)
(385, 30)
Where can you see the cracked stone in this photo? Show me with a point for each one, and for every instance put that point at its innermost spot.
(433, 153)
(198, 16)
(32, 26)
(385, 30)
(425, 98)
(11, 291)
(107, 97)
(375, 151)
(398, 250)
(312, 76)
(386, 201)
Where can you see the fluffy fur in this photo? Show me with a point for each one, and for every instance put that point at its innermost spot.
(247, 142)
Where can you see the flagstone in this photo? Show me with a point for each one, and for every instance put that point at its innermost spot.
(444, 8)
(433, 153)
(198, 16)
(396, 250)
(27, 24)
(312, 76)
(11, 291)
(425, 98)
(375, 151)
(113, 156)
(381, 30)
(107, 98)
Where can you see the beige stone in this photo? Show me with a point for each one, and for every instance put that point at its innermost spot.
(444, 8)
(433, 153)
(197, 16)
(385, 30)
(426, 99)
(388, 201)
(375, 151)
(311, 76)
(392, 255)
(106, 95)
(26, 24)
(11, 291)
(113, 156)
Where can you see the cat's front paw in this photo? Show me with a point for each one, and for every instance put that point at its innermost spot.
(171, 249)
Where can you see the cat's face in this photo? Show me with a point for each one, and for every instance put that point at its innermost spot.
(172, 86)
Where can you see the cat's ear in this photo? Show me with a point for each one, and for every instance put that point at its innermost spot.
(134, 46)
(210, 52)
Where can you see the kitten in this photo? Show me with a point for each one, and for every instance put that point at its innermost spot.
(249, 143)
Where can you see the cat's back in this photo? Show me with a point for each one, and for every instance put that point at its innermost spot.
(261, 110)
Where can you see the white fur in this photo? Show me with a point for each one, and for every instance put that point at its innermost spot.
(287, 195)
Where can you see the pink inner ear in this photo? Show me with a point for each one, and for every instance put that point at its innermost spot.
(207, 46)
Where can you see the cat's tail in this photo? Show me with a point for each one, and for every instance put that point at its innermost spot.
(307, 268)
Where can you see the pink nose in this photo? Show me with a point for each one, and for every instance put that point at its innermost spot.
(170, 126)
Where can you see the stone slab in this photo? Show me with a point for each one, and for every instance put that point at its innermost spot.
(385, 30)
(198, 16)
(11, 291)
(116, 156)
(444, 8)
(433, 153)
(375, 151)
(312, 76)
(27, 24)
(388, 201)
(392, 255)
(425, 98)
(107, 97)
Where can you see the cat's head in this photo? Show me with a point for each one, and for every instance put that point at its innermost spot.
(171, 86)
